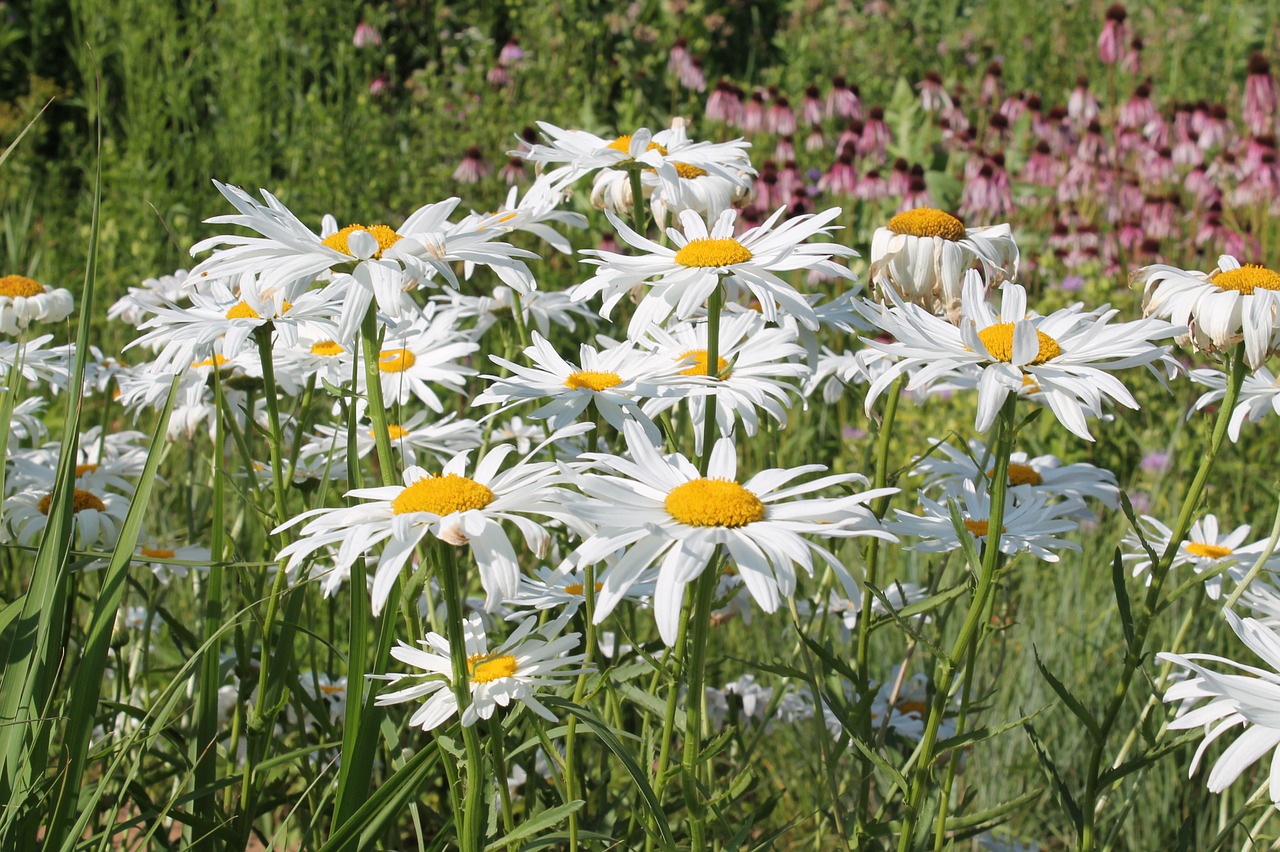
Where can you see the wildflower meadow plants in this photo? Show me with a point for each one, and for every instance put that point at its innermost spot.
(681, 500)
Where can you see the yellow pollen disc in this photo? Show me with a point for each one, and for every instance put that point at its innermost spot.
(332, 688)
(215, 361)
(576, 588)
(241, 310)
(979, 528)
(386, 237)
(156, 552)
(442, 495)
(1021, 474)
(327, 348)
(927, 222)
(998, 339)
(1029, 385)
(1246, 279)
(394, 432)
(82, 469)
(713, 253)
(689, 172)
(396, 360)
(79, 501)
(19, 286)
(714, 503)
(623, 144)
(592, 380)
(908, 706)
(1208, 551)
(484, 669)
(699, 368)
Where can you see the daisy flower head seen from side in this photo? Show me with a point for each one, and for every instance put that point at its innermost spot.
(1220, 556)
(924, 254)
(681, 279)
(1247, 699)
(528, 662)
(451, 506)
(662, 512)
(1234, 302)
(1068, 356)
(1259, 394)
(24, 300)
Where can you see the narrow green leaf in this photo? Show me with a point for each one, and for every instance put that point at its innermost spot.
(386, 802)
(539, 821)
(1074, 704)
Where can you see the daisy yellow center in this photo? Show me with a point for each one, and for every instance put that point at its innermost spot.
(241, 310)
(442, 495)
(713, 253)
(905, 706)
(80, 501)
(623, 144)
(19, 286)
(576, 588)
(327, 348)
(215, 361)
(998, 339)
(1029, 385)
(332, 688)
(396, 360)
(1021, 474)
(699, 368)
(592, 380)
(714, 503)
(1246, 279)
(1208, 551)
(394, 432)
(82, 469)
(689, 172)
(927, 222)
(979, 528)
(483, 668)
(386, 237)
(157, 552)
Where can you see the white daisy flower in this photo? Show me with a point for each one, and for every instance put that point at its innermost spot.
(923, 255)
(681, 279)
(1259, 393)
(1068, 355)
(1249, 701)
(1207, 550)
(513, 672)
(317, 356)
(96, 518)
(750, 375)
(327, 691)
(140, 302)
(426, 352)
(167, 562)
(1030, 525)
(540, 204)
(432, 244)
(661, 511)
(540, 309)
(24, 301)
(455, 508)
(414, 438)
(563, 588)
(1230, 304)
(615, 381)
(48, 367)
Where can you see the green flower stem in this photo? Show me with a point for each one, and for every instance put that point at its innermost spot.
(713, 372)
(517, 316)
(500, 772)
(471, 820)
(262, 335)
(637, 200)
(968, 630)
(1151, 602)
(371, 344)
(676, 666)
(704, 596)
(1261, 562)
(572, 779)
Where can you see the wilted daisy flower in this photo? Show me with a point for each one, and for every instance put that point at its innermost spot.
(96, 518)
(1207, 550)
(24, 301)
(661, 511)
(1067, 355)
(615, 380)
(1030, 525)
(514, 672)
(1230, 304)
(750, 374)
(681, 279)
(1249, 701)
(455, 508)
(923, 255)
(1259, 394)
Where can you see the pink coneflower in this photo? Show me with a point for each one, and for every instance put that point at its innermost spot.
(1131, 62)
(1014, 106)
(917, 195)
(811, 107)
(1052, 127)
(1259, 95)
(1130, 236)
(1138, 110)
(841, 179)
(851, 136)
(692, 77)
(751, 216)
(875, 135)
(843, 100)
(785, 149)
(1092, 144)
(366, 35)
(1217, 128)
(789, 179)
(992, 83)
(513, 172)
(814, 140)
(933, 94)
(608, 242)
(768, 195)
(1156, 165)
(498, 77)
(1041, 168)
(1114, 34)
(900, 178)
(800, 203)
(780, 119)
(725, 104)
(380, 86)
(679, 57)
(1202, 189)
(511, 53)
(1082, 106)
(472, 168)
(997, 130)
(872, 187)
(753, 113)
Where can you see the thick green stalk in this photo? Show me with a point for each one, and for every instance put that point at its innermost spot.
(572, 780)
(371, 344)
(637, 201)
(659, 778)
(704, 596)
(471, 821)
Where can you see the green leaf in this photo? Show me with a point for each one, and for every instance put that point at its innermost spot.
(1065, 798)
(1074, 704)
(1122, 598)
(539, 821)
(387, 802)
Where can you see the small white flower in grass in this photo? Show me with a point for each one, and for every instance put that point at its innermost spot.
(48, 367)
(97, 517)
(923, 255)
(615, 381)
(514, 672)
(455, 508)
(1068, 355)
(565, 588)
(1217, 310)
(1259, 394)
(1207, 550)
(660, 511)
(24, 301)
(1030, 525)
(681, 279)
(167, 562)
(140, 302)
(330, 693)
(428, 351)
(1249, 701)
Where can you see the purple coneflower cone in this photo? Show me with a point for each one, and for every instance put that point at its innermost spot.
(513, 172)
(472, 168)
